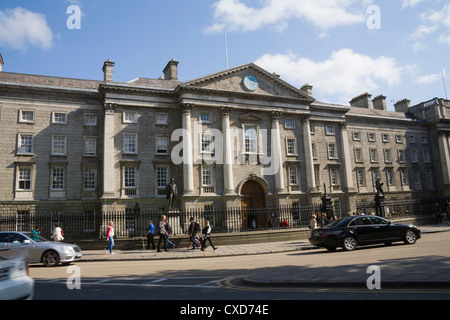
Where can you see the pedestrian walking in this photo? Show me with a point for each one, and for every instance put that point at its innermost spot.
(194, 228)
(169, 232)
(58, 234)
(207, 236)
(150, 234)
(162, 233)
(110, 238)
(437, 213)
(312, 224)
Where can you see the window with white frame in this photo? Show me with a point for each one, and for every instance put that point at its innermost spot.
(371, 137)
(334, 176)
(373, 155)
(289, 124)
(59, 143)
(207, 143)
(358, 155)
(25, 143)
(426, 156)
(429, 176)
(387, 155)
(398, 138)
(403, 177)
(291, 146)
(412, 139)
(130, 143)
(162, 118)
(332, 151)
(390, 176)
(207, 175)
(162, 144)
(24, 178)
(90, 146)
(57, 179)
(313, 149)
(130, 177)
(329, 130)
(130, 117)
(356, 136)
(59, 118)
(90, 179)
(361, 177)
(90, 119)
(385, 137)
(27, 116)
(401, 156)
(293, 175)
(205, 117)
(251, 139)
(162, 177)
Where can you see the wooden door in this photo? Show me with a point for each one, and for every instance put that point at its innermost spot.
(253, 201)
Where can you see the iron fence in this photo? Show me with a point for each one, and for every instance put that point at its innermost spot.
(92, 224)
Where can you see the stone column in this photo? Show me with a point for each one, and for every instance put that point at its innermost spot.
(227, 153)
(444, 155)
(309, 161)
(277, 160)
(188, 160)
(108, 152)
(346, 158)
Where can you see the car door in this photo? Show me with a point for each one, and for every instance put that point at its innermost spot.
(382, 231)
(363, 228)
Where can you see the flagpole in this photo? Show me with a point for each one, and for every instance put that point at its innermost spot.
(226, 46)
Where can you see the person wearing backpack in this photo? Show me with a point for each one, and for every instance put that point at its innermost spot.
(194, 228)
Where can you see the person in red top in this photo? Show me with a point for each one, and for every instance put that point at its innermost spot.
(110, 237)
(284, 224)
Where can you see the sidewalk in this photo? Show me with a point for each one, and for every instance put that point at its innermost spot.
(395, 273)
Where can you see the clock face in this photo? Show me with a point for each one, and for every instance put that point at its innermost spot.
(250, 83)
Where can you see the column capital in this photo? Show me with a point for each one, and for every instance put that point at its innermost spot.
(343, 125)
(276, 115)
(186, 107)
(109, 107)
(305, 118)
(226, 111)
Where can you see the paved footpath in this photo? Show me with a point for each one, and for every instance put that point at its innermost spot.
(393, 274)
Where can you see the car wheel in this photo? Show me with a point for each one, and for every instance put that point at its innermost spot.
(410, 237)
(349, 243)
(50, 258)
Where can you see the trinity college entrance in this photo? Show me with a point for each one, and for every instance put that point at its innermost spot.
(253, 200)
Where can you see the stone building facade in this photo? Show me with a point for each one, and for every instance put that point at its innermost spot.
(242, 138)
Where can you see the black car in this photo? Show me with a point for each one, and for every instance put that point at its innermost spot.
(353, 231)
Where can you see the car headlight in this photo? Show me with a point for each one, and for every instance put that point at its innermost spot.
(67, 249)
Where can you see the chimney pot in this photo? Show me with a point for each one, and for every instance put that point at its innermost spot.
(362, 101)
(108, 68)
(379, 102)
(307, 89)
(402, 105)
(171, 70)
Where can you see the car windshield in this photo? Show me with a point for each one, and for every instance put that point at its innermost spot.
(35, 237)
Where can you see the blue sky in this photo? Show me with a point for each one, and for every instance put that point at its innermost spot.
(398, 48)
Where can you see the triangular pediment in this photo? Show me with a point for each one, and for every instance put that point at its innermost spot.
(250, 117)
(233, 81)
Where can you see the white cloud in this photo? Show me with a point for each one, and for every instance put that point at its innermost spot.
(343, 76)
(20, 28)
(433, 21)
(410, 3)
(324, 14)
(423, 79)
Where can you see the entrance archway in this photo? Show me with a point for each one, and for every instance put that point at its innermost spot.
(253, 204)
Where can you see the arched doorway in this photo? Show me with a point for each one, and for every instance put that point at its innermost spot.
(253, 202)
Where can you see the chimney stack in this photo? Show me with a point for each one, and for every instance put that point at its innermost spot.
(1, 62)
(108, 68)
(362, 101)
(402, 105)
(171, 70)
(379, 102)
(307, 89)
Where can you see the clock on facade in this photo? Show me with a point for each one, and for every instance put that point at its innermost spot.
(250, 82)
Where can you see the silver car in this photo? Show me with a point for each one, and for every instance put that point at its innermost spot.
(40, 250)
